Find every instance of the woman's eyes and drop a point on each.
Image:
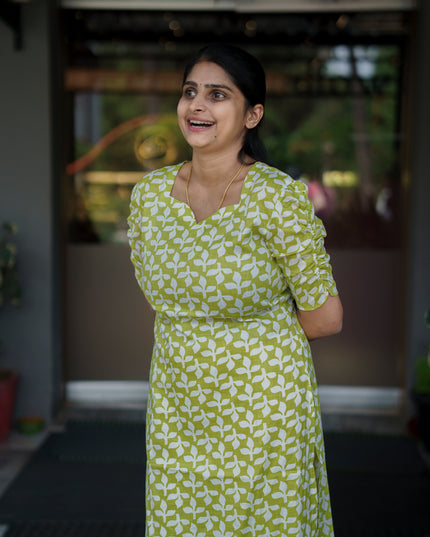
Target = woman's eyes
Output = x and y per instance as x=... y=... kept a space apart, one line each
x=189 y=92
x=218 y=95
x=215 y=95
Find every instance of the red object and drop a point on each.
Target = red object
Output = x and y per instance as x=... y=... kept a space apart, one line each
x=8 y=383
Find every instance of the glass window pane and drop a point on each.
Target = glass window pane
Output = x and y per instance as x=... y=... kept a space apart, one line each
x=332 y=120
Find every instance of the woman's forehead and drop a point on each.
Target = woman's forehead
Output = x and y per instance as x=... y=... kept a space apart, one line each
x=210 y=73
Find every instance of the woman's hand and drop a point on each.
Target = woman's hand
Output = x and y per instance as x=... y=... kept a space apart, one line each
x=324 y=321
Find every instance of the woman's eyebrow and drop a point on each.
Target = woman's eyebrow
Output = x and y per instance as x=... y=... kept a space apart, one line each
x=217 y=86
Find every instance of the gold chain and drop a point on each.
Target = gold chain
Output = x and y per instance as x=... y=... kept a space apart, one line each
x=225 y=191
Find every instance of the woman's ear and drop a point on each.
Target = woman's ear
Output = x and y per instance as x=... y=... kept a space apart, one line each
x=254 y=115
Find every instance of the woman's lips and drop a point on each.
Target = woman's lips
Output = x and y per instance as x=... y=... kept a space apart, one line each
x=198 y=125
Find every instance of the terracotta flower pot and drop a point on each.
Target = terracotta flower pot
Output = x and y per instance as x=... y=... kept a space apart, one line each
x=8 y=384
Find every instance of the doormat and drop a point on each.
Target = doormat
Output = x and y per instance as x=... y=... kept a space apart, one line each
x=90 y=472
x=130 y=529
x=379 y=486
x=101 y=441
x=75 y=529
x=90 y=480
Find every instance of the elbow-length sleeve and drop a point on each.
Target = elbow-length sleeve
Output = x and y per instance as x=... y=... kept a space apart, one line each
x=296 y=240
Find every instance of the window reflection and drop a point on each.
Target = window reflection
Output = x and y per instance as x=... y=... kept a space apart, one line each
x=331 y=121
x=105 y=173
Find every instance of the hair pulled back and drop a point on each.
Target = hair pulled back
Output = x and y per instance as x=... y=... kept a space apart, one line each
x=248 y=75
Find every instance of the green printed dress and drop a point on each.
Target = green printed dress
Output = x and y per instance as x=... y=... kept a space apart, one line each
x=234 y=439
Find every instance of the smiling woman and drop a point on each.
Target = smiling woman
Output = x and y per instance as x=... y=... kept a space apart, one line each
x=215 y=118
x=216 y=108
x=231 y=258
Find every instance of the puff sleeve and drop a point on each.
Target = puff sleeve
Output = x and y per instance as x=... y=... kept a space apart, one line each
x=296 y=240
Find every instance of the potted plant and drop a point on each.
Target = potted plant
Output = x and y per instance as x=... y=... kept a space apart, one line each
x=421 y=393
x=10 y=293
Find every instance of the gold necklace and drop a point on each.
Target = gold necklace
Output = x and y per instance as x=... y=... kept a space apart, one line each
x=225 y=191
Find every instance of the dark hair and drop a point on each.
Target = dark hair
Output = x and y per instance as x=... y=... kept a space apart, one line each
x=248 y=75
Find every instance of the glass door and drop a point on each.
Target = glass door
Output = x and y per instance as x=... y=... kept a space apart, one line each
x=333 y=120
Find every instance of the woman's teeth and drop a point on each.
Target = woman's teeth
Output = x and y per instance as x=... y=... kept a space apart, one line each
x=201 y=123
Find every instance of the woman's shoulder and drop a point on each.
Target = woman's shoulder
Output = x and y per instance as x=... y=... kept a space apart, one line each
x=273 y=181
x=155 y=180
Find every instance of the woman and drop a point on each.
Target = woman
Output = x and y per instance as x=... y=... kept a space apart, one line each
x=229 y=254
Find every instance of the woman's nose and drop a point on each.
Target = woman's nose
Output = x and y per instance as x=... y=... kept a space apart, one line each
x=198 y=103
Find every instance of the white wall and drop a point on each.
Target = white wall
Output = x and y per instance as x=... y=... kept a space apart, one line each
x=26 y=146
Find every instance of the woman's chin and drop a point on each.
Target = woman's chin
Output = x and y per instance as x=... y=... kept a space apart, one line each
x=200 y=142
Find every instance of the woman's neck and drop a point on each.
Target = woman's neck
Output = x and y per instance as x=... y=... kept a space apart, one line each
x=214 y=169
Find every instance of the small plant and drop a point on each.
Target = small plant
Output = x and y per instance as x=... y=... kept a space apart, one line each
x=10 y=293
x=422 y=367
x=10 y=287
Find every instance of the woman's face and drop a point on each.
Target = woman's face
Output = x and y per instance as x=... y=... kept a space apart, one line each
x=212 y=112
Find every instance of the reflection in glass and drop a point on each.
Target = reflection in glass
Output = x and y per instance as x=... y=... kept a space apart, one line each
x=331 y=121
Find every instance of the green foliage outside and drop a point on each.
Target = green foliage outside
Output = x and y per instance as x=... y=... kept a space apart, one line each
x=326 y=124
x=319 y=133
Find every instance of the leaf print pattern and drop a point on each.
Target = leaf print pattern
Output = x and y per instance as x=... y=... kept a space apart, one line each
x=234 y=439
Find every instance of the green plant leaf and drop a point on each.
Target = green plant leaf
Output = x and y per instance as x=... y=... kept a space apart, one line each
x=422 y=375
x=10 y=227
x=10 y=287
x=427 y=318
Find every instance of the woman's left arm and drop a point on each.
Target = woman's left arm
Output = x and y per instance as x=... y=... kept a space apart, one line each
x=297 y=244
x=323 y=321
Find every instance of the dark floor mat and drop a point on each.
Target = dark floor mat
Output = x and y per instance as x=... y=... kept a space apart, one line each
x=90 y=472
x=137 y=529
x=101 y=442
x=76 y=529
x=370 y=532
x=380 y=486
x=373 y=453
